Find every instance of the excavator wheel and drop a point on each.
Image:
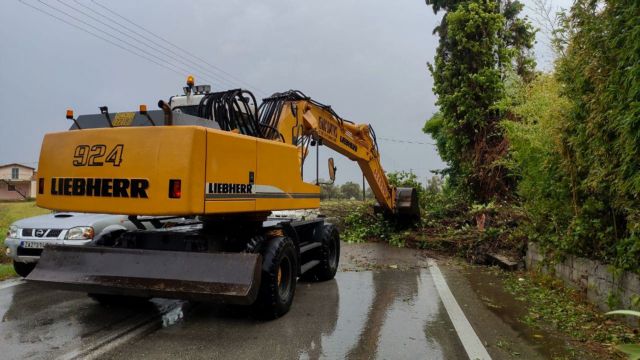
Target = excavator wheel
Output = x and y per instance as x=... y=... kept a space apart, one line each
x=279 y=275
x=329 y=256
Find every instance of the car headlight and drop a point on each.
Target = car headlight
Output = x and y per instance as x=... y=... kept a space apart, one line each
x=13 y=231
x=80 y=233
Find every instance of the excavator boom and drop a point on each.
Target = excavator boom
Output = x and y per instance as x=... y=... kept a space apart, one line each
x=299 y=120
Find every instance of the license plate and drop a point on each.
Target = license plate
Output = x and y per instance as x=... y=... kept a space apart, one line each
x=34 y=244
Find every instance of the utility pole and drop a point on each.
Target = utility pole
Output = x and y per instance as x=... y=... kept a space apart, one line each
x=363 y=192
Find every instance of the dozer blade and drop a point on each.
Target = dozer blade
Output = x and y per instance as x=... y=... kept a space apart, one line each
x=220 y=277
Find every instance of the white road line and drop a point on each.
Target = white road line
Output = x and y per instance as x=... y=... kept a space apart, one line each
x=10 y=283
x=472 y=344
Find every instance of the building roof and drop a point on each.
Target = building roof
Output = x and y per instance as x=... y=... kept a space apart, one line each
x=14 y=164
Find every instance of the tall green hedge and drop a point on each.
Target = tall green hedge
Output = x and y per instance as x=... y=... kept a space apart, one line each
x=576 y=147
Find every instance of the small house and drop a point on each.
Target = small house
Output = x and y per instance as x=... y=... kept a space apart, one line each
x=17 y=182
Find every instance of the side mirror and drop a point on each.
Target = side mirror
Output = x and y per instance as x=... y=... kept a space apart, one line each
x=332 y=170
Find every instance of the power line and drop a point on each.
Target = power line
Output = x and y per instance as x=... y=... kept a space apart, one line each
x=182 y=61
x=405 y=141
x=119 y=31
x=108 y=34
x=113 y=36
x=101 y=38
x=178 y=47
x=151 y=57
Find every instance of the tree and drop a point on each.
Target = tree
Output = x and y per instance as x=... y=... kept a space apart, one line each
x=481 y=44
x=369 y=195
x=328 y=191
x=434 y=184
x=351 y=190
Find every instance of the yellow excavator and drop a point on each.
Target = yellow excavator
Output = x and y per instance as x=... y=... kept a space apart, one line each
x=219 y=165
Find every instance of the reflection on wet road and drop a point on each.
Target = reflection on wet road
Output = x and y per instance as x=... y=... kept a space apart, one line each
x=39 y=323
x=373 y=314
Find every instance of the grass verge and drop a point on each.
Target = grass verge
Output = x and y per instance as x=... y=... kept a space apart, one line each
x=6 y=271
x=10 y=212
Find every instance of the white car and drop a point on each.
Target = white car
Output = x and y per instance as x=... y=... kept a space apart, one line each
x=27 y=238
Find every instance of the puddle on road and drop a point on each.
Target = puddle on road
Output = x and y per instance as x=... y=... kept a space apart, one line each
x=39 y=323
x=360 y=315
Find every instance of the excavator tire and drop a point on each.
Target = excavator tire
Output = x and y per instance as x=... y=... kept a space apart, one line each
x=329 y=256
x=279 y=276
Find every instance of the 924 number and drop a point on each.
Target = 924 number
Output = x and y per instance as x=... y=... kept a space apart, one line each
x=94 y=155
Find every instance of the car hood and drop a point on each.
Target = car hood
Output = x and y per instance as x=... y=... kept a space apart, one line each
x=65 y=220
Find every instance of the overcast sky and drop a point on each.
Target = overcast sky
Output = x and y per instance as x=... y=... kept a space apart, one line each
x=367 y=59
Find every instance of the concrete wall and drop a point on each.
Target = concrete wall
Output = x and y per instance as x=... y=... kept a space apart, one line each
x=600 y=283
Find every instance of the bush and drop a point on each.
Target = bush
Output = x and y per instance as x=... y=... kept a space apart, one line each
x=362 y=224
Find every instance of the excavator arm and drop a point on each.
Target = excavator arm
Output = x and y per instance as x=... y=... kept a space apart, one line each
x=296 y=119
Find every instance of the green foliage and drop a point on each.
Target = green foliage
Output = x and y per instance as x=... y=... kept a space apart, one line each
x=601 y=77
x=407 y=179
x=575 y=138
x=438 y=200
x=351 y=190
x=536 y=159
x=329 y=191
x=362 y=224
x=633 y=350
x=480 y=43
x=404 y=179
x=6 y=271
x=398 y=240
x=12 y=211
x=550 y=303
x=348 y=190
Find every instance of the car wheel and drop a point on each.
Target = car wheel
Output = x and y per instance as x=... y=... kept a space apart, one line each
x=23 y=269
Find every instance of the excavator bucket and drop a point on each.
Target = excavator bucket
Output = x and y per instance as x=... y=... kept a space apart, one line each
x=221 y=277
x=407 y=206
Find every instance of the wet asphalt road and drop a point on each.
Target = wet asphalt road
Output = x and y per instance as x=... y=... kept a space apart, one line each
x=382 y=304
